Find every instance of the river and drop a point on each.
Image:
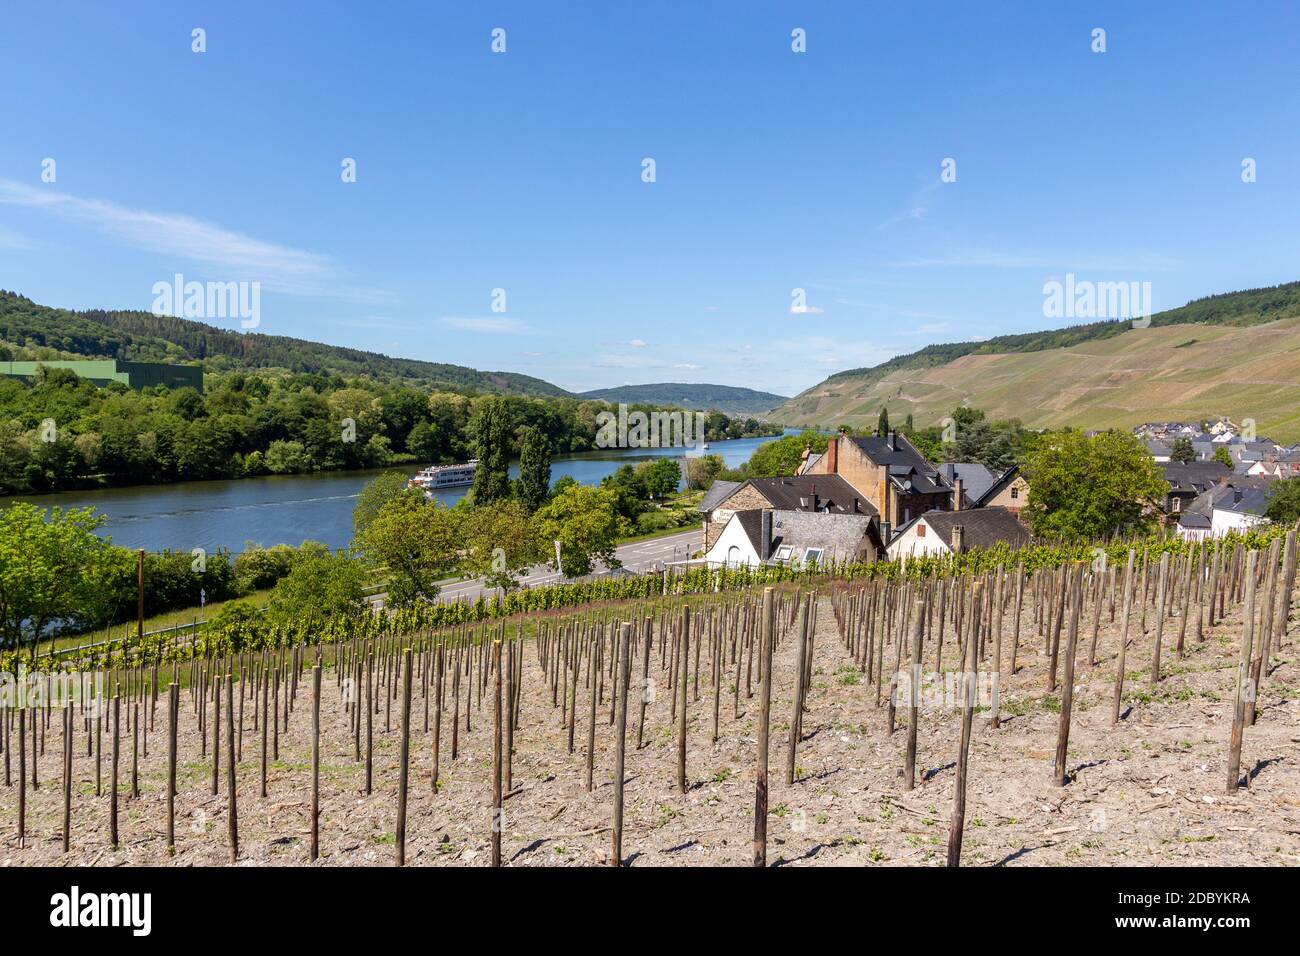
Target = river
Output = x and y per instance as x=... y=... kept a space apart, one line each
x=289 y=509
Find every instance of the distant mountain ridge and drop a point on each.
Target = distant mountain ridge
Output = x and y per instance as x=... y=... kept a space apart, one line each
x=146 y=337
x=729 y=399
x=1236 y=354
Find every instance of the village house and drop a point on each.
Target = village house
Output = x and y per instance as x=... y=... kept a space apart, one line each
x=1010 y=491
x=829 y=494
x=889 y=473
x=1223 y=508
x=799 y=538
x=940 y=533
x=1187 y=481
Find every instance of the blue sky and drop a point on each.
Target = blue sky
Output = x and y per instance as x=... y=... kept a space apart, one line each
x=522 y=171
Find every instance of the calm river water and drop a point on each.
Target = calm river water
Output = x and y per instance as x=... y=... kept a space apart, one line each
x=289 y=509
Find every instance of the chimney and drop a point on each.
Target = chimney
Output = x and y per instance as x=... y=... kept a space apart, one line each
x=956 y=493
x=958 y=538
x=833 y=456
x=893 y=440
x=814 y=497
x=765 y=534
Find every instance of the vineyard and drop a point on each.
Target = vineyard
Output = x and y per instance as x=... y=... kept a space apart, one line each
x=1133 y=704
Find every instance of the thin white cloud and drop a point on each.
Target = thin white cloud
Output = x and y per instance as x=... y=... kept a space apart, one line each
x=637 y=343
x=225 y=251
x=491 y=325
x=990 y=259
x=687 y=365
x=805 y=310
x=13 y=240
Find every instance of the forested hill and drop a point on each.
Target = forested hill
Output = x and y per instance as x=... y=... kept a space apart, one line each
x=28 y=330
x=1245 y=308
x=728 y=399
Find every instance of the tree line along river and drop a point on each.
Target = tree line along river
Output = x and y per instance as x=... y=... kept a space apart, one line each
x=288 y=509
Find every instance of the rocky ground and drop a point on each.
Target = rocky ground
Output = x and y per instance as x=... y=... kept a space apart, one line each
x=1149 y=791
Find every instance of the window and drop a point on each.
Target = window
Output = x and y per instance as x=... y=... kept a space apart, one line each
x=784 y=552
x=1178 y=504
x=920 y=531
x=1015 y=493
x=812 y=556
x=733 y=557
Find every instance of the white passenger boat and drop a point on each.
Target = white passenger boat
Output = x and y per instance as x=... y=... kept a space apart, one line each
x=445 y=476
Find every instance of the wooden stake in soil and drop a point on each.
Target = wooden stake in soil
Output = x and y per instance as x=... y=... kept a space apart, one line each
x=404 y=767
x=1244 y=685
x=112 y=810
x=496 y=754
x=969 y=682
x=620 y=742
x=67 y=776
x=1067 y=684
x=1123 y=638
x=22 y=776
x=315 y=762
x=173 y=714
x=764 y=717
x=232 y=812
x=914 y=694
x=682 y=679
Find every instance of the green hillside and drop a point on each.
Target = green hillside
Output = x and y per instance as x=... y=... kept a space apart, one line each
x=28 y=330
x=728 y=399
x=1235 y=354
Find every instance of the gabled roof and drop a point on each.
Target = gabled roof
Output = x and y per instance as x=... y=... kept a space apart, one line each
x=718 y=492
x=982 y=527
x=904 y=462
x=995 y=489
x=976 y=479
x=808 y=493
x=1195 y=476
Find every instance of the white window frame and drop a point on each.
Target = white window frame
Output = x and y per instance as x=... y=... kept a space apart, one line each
x=813 y=555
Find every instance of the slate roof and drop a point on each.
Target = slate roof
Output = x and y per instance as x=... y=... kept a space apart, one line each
x=999 y=483
x=976 y=479
x=905 y=463
x=810 y=493
x=982 y=527
x=718 y=492
x=839 y=534
x=1195 y=476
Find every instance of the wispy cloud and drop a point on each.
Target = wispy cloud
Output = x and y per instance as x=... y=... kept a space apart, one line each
x=991 y=259
x=491 y=325
x=13 y=240
x=637 y=343
x=232 y=254
x=917 y=209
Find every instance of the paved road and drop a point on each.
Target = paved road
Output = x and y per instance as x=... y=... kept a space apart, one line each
x=638 y=556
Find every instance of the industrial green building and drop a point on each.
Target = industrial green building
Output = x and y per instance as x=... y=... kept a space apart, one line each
x=103 y=371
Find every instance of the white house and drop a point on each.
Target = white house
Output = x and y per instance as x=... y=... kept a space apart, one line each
x=761 y=536
x=951 y=532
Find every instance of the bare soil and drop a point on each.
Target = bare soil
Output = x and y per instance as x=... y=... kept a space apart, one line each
x=1149 y=791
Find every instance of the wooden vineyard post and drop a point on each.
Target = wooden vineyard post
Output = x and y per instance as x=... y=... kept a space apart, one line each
x=265 y=715
x=1123 y=638
x=798 y=698
x=22 y=775
x=968 y=682
x=1244 y=685
x=1161 y=588
x=645 y=680
x=173 y=714
x=766 y=635
x=315 y=762
x=405 y=764
x=914 y=694
x=510 y=714
x=497 y=821
x=112 y=811
x=620 y=741
x=67 y=775
x=591 y=723
x=683 y=679
x=232 y=813
x=437 y=716
x=1076 y=597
